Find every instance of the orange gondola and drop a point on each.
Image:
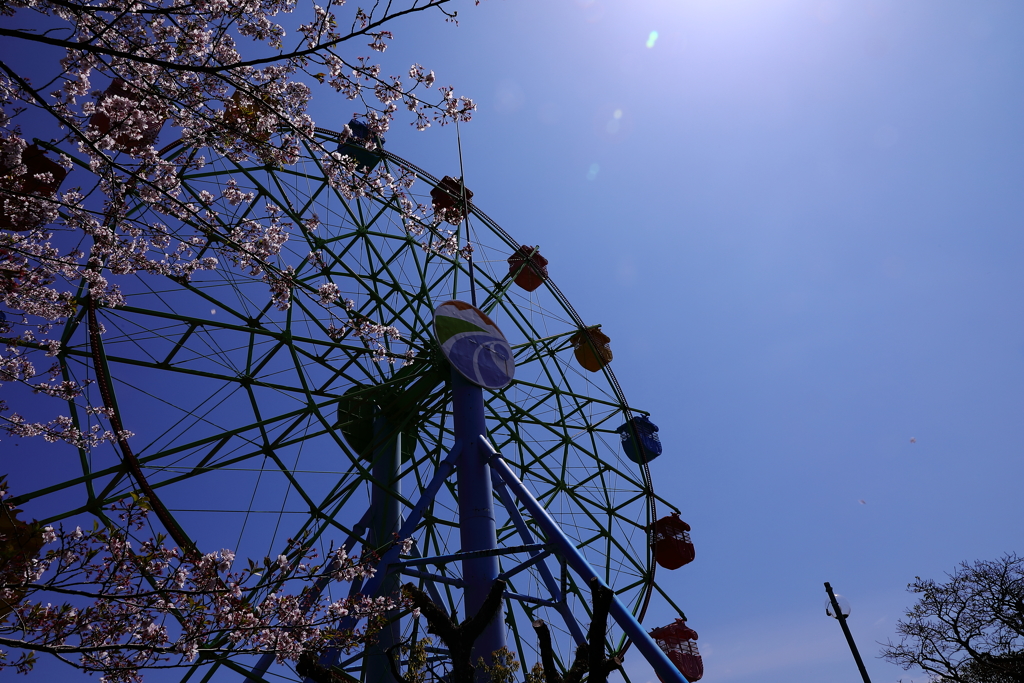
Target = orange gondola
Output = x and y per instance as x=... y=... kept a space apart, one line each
x=591 y=348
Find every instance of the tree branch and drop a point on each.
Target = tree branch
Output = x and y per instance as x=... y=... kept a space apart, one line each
x=212 y=70
x=459 y=639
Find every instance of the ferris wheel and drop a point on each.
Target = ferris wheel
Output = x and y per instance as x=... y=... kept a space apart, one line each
x=339 y=419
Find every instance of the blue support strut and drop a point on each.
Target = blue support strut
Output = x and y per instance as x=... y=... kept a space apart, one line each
x=373 y=586
x=664 y=667
x=477 y=527
x=386 y=521
x=545 y=573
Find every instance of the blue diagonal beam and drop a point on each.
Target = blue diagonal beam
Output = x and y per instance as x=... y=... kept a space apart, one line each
x=664 y=667
x=408 y=527
x=527 y=537
x=539 y=557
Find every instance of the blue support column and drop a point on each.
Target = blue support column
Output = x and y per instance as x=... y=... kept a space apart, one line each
x=373 y=585
x=476 y=510
x=384 y=524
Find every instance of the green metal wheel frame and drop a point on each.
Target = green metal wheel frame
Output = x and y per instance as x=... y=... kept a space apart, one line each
x=239 y=409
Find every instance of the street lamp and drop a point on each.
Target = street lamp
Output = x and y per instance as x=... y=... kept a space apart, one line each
x=839 y=607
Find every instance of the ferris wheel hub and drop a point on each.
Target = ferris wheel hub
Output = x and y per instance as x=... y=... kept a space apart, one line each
x=474 y=345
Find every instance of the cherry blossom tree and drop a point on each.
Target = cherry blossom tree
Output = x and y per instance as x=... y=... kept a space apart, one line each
x=110 y=600
x=218 y=74
x=123 y=80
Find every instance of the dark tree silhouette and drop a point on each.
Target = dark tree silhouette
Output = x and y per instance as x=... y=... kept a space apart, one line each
x=969 y=629
x=459 y=638
x=309 y=667
x=1007 y=668
x=590 y=657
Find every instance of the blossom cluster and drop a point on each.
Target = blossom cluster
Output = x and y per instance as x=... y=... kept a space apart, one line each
x=374 y=335
x=100 y=206
x=101 y=200
x=108 y=601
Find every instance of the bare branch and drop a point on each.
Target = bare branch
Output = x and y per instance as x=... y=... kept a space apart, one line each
x=968 y=629
x=221 y=68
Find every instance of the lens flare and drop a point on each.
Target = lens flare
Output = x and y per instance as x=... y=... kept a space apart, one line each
x=651 y=39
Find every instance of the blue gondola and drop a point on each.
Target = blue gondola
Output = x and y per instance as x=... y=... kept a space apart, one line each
x=355 y=146
x=647 y=431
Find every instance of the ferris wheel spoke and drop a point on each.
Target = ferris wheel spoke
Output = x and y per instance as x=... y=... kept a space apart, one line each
x=220 y=440
x=542 y=349
x=610 y=540
x=226 y=466
x=557 y=386
x=377 y=212
x=529 y=415
x=287 y=193
x=537 y=462
x=523 y=531
x=278 y=340
x=382 y=273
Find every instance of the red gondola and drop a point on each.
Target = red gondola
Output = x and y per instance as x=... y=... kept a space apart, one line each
x=529 y=268
x=122 y=141
x=42 y=178
x=671 y=542
x=22 y=543
x=447 y=200
x=678 y=641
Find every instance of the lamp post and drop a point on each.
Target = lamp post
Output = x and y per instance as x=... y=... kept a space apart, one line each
x=839 y=607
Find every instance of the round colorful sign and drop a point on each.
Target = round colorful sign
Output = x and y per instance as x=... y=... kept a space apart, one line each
x=474 y=345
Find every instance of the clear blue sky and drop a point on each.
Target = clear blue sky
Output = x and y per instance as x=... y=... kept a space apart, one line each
x=800 y=223
x=803 y=235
